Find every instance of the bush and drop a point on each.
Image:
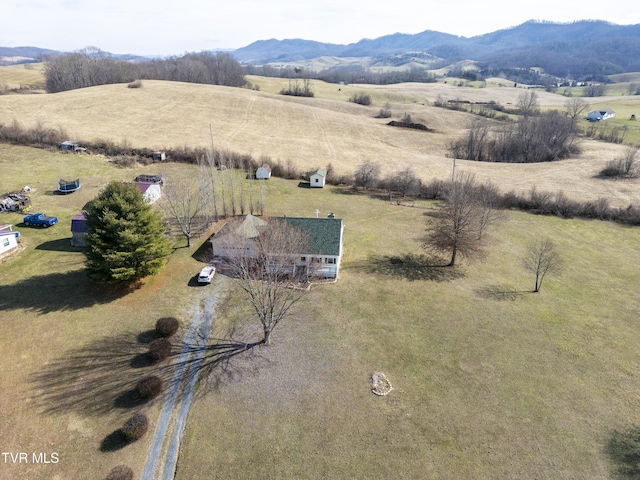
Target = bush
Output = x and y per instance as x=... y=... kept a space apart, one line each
x=135 y=84
x=135 y=427
x=361 y=98
x=160 y=349
x=149 y=387
x=167 y=326
x=121 y=472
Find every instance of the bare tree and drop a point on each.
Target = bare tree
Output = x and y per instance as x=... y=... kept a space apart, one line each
x=575 y=107
x=527 y=102
x=404 y=182
x=264 y=267
x=185 y=203
x=367 y=174
x=457 y=228
x=542 y=258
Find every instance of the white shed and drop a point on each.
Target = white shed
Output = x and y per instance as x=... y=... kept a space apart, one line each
x=317 y=178
x=150 y=191
x=263 y=172
x=8 y=239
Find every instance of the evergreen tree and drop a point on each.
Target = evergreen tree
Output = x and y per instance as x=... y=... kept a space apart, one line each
x=126 y=240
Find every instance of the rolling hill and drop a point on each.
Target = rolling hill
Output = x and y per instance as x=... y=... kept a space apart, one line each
x=314 y=132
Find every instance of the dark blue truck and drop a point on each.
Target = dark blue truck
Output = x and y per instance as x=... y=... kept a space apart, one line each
x=39 y=220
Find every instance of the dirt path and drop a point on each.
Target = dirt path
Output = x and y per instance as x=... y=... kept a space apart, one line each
x=163 y=453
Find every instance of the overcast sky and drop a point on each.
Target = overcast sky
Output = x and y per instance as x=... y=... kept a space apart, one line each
x=172 y=27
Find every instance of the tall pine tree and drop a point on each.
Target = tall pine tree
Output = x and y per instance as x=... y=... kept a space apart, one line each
x=126 y=239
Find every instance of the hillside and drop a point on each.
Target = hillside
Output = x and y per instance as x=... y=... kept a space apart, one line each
x=578 y=49
x=314 y=132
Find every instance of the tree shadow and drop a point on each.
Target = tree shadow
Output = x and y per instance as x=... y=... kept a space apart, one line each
x=411 y=267
x=57 y=292
x=100 y=377
x=623 y=449
x=500 y=292
x=94 y=378
x=60 y=245
x=113 y=442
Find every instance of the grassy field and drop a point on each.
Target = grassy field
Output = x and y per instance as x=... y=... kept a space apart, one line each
x=315 y=132
x=67 y=344
x=490 y=380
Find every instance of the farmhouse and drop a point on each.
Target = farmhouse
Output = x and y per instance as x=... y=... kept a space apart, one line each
x=263 y=172
x=150 y=191
x=317 y=178
x=79 y=230
x=324 y=251
x=597 y=115
x=8 y=239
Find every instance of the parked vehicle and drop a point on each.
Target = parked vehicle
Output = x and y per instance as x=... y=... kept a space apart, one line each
x=206 y=274
x=39 y=220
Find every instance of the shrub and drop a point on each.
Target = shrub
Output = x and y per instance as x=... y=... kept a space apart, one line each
x=167 y=326
x=121 y=472
x=135 y=84
x=135 y=427
x=149 y=387
x=361 y=98
x=160 y=349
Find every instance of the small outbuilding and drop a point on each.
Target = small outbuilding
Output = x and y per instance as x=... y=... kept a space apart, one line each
x=263 y=172
x=150 y=191
x=79 y=230
x=317 y=178
x=159 y=156
x=8 y=239
x=598 y=115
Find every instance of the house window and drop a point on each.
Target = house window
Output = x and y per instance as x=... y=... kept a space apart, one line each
x=303 y=259
x=317 y=180
x=330 y=260
x=5 y=242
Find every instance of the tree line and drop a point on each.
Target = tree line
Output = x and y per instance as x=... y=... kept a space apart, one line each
x=91 y=66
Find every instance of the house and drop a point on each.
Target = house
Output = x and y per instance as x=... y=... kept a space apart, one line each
x=326 y=244
x=79 y=230
x=324 y=252
x=235 y=240
x=317 y=178
x=263 y=172
x=150 y=191
x=597 y=115
x=8 y=239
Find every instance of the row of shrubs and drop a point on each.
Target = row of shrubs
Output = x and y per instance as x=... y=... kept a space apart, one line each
x=545 y=203
x=147 y=388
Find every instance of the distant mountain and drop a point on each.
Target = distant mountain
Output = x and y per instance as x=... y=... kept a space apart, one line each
x=12 y=55
x=579 y=48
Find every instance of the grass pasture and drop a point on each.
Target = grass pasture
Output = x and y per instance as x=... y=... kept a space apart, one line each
x=490 y=380
x=314 y=132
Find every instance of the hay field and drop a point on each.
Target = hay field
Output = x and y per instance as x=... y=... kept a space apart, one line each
x=13 y=76
x=314 y=132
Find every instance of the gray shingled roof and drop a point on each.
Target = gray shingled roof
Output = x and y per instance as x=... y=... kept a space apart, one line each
x=324 y=233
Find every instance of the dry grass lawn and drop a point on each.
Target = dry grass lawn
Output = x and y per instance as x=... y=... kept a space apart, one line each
x=490 y=381
x=315 y=132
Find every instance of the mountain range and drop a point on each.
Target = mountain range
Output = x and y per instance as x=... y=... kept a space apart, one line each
x=581 y=50
x=586 y=47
